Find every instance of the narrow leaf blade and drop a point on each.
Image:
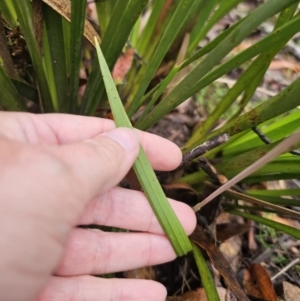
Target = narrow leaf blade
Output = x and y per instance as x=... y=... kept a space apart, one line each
x=144 y=172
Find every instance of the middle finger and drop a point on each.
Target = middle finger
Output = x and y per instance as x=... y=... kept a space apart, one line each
x=130 y=209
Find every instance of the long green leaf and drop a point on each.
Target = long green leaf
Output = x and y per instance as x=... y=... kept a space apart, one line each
x=270 y=177
x=10 y=99
x=194 y=81
x=248 y=141
x=7 y=9
x=233 y=165
x=275 y=225
x=273 y=192
x=55 y=33
x=24 y=13
x=48 y=67
x=247 y=82
x=123 y=18
x=284 y=17
x=206 y=277
x=283 y=102
x=181 y=13
x=199 y=31
x=104 y=11
x=144 y=172
x=276 y=200
x=148 y=32
x=26 y=90
x=160 y=88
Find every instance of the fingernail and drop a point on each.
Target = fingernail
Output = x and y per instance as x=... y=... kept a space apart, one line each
x=127 y=138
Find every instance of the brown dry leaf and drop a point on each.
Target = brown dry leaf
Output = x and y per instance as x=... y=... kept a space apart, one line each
x=228 y=230
x=199 y=295
x=182 y=192
x=122 y=66
x=63 y=7
x=263 y=281
x=249 y=285
x=201 y=238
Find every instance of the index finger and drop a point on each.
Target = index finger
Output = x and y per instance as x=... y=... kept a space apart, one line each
x=163 y=154
x=56 y=129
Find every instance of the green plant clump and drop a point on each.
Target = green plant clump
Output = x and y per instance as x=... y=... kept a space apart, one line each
x=43 y=48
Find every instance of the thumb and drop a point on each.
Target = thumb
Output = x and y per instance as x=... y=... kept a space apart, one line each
x=100 y=163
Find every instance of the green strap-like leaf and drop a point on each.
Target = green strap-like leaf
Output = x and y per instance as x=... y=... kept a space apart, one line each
x=273 y=192
x=24 y=13
x=275 y=225
x=287 y=124
x=10 y=99
x=206 y=277
x=247 y=83
x=55 y=33
x=202 y=75
x=123 y=18
x=203 y=26
x=144 y=172
x=283 y=102
x=181 y=13
x=148 y=32
x=7 y=9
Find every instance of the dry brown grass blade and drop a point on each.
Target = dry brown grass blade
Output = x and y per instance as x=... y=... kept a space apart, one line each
x=63 y=7
x=202 y=239
x=282 y=147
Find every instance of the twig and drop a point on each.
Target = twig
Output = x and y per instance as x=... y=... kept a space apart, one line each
x=211 y=171
x=204 y=148
x=282 y=271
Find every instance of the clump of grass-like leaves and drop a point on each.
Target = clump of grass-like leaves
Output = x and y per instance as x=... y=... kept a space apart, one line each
x=42 y=75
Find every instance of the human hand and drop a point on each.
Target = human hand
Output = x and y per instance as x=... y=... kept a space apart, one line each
x=60 y=171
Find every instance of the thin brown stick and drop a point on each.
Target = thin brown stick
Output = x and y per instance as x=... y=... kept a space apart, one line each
x=211 y=171
x=204 y=148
